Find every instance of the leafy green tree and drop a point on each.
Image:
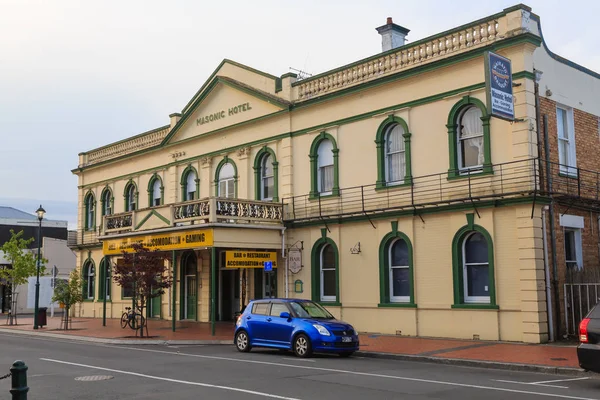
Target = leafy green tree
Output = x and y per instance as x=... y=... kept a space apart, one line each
x=69 y=293
x=23 y=265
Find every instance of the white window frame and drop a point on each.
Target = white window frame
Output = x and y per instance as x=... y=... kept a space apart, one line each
x=190 y=194
x=388 y=154
x=321 y=168
x=322 y=281
x=264 y=178
x=570 y=167
x=156 y=193
x=574 y=223
x=90 y=213
x=466 y=297
x=459 y=162
x=396 y=299
x=226 y=183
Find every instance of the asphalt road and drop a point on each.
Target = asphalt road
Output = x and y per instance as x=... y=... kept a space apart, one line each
x=61 y=369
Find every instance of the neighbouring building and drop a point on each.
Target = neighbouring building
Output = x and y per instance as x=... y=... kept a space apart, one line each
x=383 y=189
x=54 y=249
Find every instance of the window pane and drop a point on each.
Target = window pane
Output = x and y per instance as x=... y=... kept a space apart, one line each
x=476 y=249
x=570 y=249
x=561 y=123
x=267 y=166
x=471 y=151
x=394 y=140
x=470 y=138
x=325 y=153
x=260 y=308
x=478 y=280
x=267 y=188
x=328 y=282
x=328 y=257
x=470 y=123
x=400 y=283
x=399 y=253
x=226 y=171
x=156 y=192
x=231 y=188
x=326 y=179
x=563 y=152
x=396 y=167
x=278 y=308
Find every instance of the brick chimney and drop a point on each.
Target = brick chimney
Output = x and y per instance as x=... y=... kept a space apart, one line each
x=392 y=35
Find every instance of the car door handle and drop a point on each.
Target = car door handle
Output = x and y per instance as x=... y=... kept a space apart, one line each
x=269 y=319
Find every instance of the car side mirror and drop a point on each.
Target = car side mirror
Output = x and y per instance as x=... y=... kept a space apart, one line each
x=285 y=315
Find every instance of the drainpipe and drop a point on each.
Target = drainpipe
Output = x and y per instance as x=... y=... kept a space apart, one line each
x=285 y=257
x=548 y=278
x=552 y=231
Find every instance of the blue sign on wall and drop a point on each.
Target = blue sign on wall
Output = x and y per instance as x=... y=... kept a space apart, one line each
x=498 y=79
x=268 y=266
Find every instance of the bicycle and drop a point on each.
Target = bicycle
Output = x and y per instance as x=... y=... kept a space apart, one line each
x=135 y=320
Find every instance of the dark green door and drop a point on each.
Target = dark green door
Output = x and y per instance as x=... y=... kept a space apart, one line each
x=156 y=307
x=190 y=297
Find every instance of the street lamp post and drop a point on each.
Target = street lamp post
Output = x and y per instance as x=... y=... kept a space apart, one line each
x=40 y=214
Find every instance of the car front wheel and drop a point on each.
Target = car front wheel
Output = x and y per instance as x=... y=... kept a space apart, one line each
x=242 y=342
x=302 y=346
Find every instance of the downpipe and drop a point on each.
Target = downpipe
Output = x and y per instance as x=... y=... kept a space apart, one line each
x=547 y=276
x=285 y=257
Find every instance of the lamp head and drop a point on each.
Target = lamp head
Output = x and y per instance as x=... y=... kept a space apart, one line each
x=40 y=213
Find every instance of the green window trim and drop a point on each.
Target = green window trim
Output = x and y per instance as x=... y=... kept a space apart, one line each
x=475 y=306
x=384 y=270
x=189 y=169
x=452 y=125
x=102 y=279
x=316 y=272
x=126 y=195
x=226 y=160
x=111 y=201
x=85 y=269
x=314 y=166
x=380 y=143
x=397 y=305
x=329 y=303
x=258 y=173
x=457 y=266
x=151 y=190
x=90 y=201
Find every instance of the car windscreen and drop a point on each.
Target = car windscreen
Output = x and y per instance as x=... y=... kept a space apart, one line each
x=307 y=309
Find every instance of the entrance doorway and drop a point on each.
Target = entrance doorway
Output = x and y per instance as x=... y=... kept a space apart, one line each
x=229 y=292
x=189 y=288
x=265 y=284
x=154 y=307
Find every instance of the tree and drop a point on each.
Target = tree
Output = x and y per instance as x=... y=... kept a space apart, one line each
x=144 y=271
x=69 y=293
x=23 y=265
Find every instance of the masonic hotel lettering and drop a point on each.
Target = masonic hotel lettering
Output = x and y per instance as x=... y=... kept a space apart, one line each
x=221 y=114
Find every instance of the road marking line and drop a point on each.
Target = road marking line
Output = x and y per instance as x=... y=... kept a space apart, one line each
x=296 y=359
x=341 y=371
x=531 y=383
x=274 y=396
x=562 y=380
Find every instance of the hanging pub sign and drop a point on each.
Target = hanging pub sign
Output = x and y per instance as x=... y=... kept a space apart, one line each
x=498 y=83
x=295 y=260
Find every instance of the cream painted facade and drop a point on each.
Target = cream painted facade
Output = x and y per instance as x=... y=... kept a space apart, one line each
x=338 y=206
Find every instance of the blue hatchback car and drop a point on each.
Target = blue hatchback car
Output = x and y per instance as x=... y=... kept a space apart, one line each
x=292 y=324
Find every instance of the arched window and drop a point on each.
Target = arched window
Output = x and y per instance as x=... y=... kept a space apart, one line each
x=190 y=186
x=226 y=182
x=325 y=271
x=473 y=267
x=395 y=157
x=90 y=212
x=130 y=197
x=476 y=269
x=89 y=274
x=470 y=139
x=155 y=191
x=325 y=171
x=107 y=202
x=328 y=273
x=396 y=269
x=267 y=178
x=105 y=279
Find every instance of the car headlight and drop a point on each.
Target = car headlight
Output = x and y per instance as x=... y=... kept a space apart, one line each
x=354 y=332
x=322 y=330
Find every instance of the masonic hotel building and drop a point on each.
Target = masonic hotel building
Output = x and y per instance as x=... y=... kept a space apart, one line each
x=382 y=189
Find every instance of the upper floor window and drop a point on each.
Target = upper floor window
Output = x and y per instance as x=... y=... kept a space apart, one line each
x=325 y=171
x=470 y=139
x=566 y=140
x=155 y=190
x=190 y=186
x=226 y=182
x=130 y=197
x=106 y=201
x=267 y=178
x=395 y=157
x=90 y=212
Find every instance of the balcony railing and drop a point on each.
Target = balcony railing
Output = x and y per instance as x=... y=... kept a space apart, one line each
x=202 y=211
x=513 y=179
x=574 y=182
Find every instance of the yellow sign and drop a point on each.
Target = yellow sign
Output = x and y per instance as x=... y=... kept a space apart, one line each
x=249 y=259
x=165 y=241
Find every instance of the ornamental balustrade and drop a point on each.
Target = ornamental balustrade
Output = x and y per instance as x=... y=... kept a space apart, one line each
x=118 y=222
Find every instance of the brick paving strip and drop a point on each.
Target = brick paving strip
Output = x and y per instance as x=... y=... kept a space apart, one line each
x=546 y=358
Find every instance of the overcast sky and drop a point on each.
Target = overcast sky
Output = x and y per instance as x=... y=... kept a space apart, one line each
x=76 y=75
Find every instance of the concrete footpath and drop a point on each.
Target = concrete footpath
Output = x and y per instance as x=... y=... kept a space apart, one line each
x=546 y=358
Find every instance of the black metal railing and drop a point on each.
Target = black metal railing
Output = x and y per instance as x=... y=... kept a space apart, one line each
x=517 y=178
x=574 y=181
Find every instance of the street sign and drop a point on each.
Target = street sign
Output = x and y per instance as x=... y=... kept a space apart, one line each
x=268 y=266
